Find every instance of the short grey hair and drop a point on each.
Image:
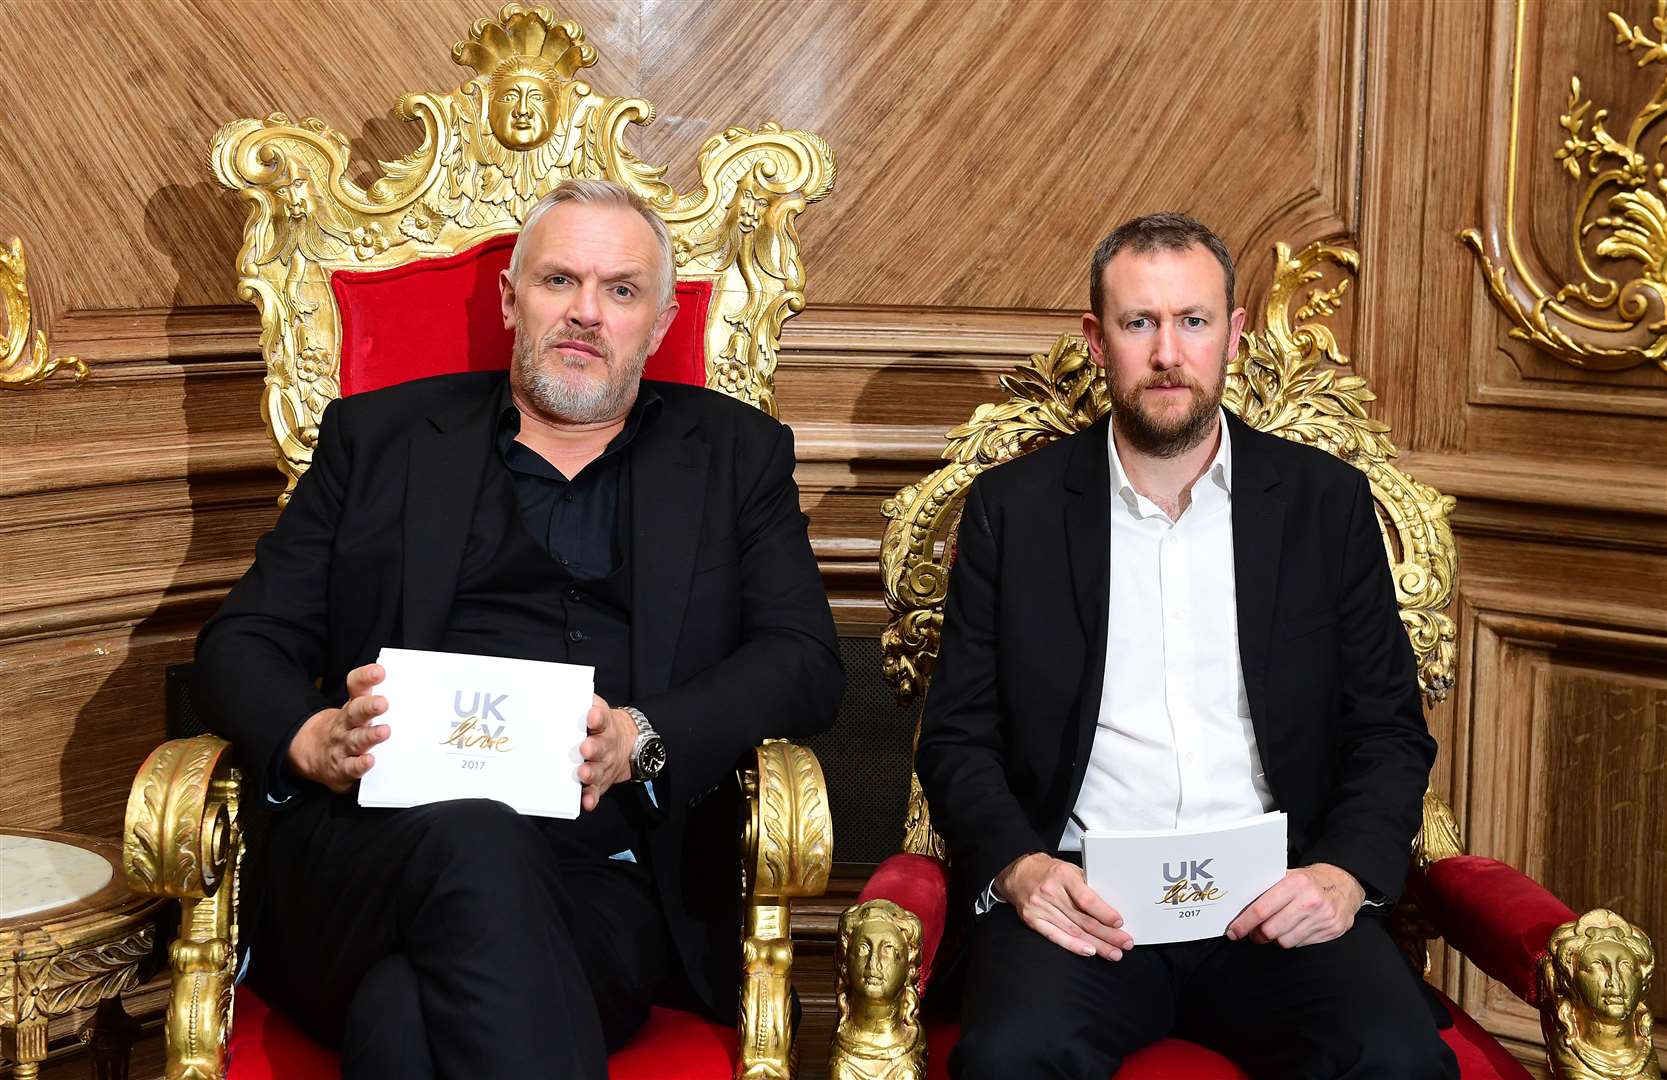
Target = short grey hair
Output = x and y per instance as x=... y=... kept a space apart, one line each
x=602 y=193
x=1156 y=232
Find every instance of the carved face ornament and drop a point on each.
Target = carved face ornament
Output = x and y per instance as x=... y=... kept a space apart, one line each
x=1606 y=974
x=880 y=961
x=519 y=110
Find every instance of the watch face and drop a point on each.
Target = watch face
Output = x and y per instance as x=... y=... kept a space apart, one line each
x=653 y=757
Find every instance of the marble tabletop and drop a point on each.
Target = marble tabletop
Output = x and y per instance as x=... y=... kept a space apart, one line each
x=37 y=874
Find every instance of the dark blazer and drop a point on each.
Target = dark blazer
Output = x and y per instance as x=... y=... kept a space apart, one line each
x=1331 y=678
x=731 y=636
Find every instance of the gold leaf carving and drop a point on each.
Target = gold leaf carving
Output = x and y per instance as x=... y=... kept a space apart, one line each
x=1611 y=314
x=25 y=360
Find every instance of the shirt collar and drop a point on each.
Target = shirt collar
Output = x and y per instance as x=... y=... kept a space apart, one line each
x=643 y=410
x=1219 y=472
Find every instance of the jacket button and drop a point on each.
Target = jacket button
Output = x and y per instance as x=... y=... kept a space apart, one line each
x=575 y=636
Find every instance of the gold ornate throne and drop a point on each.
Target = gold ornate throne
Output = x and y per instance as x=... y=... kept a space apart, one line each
x=337 y=271
x=1289 y=378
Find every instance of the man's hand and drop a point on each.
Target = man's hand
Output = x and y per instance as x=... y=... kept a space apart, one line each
x=611 y=733
x=1053 y=899
x=1309 y=905
x=333 y=746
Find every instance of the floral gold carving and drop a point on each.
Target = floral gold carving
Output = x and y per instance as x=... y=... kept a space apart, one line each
x=521 y=124
x=877 y=982
x=1594 y=981
x=1611 y=314
x=25 y=360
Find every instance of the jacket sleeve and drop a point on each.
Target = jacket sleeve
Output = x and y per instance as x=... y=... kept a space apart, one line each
x=785 y=678
x=260 y=656
x=1383 y=746
x=962 y=742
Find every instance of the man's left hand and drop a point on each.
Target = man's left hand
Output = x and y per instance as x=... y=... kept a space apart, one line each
x=610 y=735
x=1310 y=904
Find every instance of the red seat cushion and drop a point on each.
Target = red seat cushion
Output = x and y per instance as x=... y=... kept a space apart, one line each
x=1480 y=1056
x=441 y=316
x=673 y=1045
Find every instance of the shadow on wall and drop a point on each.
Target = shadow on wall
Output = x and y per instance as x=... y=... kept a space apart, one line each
x=224 y=498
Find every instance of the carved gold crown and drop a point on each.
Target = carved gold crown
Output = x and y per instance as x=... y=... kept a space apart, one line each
x=525 y=38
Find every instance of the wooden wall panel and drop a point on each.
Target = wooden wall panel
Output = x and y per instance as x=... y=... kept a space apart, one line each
x=982 y=148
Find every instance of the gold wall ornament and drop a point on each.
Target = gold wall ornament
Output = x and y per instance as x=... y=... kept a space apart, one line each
x=25 y=360
x=490 y=149
x=1610 y=315
x=1594 y=980
x=877 y=982
x=182 y=838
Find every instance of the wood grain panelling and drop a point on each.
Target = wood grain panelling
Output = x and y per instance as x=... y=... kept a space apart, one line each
x=982 y=148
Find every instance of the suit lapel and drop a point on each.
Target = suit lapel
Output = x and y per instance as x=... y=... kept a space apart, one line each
x=668 y=495
x=1258 y=532
x=448 y=453
x=1088 y=542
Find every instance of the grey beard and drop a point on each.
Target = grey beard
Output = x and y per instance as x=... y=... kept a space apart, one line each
x=588 y=402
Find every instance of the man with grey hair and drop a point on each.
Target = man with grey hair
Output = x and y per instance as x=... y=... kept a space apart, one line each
x=1169 y=622
x=571 y=512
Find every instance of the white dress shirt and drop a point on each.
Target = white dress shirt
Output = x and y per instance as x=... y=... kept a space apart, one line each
x=1174 y=747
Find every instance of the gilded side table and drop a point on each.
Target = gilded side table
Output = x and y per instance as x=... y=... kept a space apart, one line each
x=72 y=937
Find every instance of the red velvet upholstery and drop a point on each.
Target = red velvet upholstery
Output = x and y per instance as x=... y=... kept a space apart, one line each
x=673 y=1045
x=439 y=316
x=1499 y=917
x=919 y=885
x=1480 y=1057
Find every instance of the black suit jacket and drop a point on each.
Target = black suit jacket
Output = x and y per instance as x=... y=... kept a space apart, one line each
x=1330 y=675
x=731 y=637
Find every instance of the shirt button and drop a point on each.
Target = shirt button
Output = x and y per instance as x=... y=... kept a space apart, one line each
x=567 y=498
x=563 y=559
x=573 y=594
x=575 y=636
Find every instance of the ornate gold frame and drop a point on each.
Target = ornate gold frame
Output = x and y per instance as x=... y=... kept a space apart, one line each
x=1594 y=320
x=182 y=839
x=477 y=172
x=25 y=360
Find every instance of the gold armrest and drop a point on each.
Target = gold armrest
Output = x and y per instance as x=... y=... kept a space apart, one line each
x=786 y=851
x=181 y=839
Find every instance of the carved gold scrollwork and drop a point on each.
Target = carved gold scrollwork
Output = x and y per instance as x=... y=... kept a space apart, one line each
x=1613 y=314
x=182 y=839
x=25 y=360
x=786 y=851
x=490 y=149
x=1288 y=379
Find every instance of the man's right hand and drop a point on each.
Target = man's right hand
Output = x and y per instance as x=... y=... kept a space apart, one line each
x=333 y=746
x=1053 y=898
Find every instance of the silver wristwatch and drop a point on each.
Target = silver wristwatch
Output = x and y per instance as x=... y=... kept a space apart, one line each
x=648 y=753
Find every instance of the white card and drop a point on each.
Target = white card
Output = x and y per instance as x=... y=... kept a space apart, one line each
x=479 y=727
x=1185 y=884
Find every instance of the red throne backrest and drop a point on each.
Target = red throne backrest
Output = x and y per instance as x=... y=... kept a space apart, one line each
x=441 y=316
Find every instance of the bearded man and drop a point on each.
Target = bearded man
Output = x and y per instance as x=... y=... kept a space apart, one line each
x=1171 y=620
x=567 y=512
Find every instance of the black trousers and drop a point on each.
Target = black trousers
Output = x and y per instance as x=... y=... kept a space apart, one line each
x=1349 y=1008
x=458 y=939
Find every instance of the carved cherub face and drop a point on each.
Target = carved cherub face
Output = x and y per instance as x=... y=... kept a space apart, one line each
x=1606 y=974
x=520 y=107
x=880 y=961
